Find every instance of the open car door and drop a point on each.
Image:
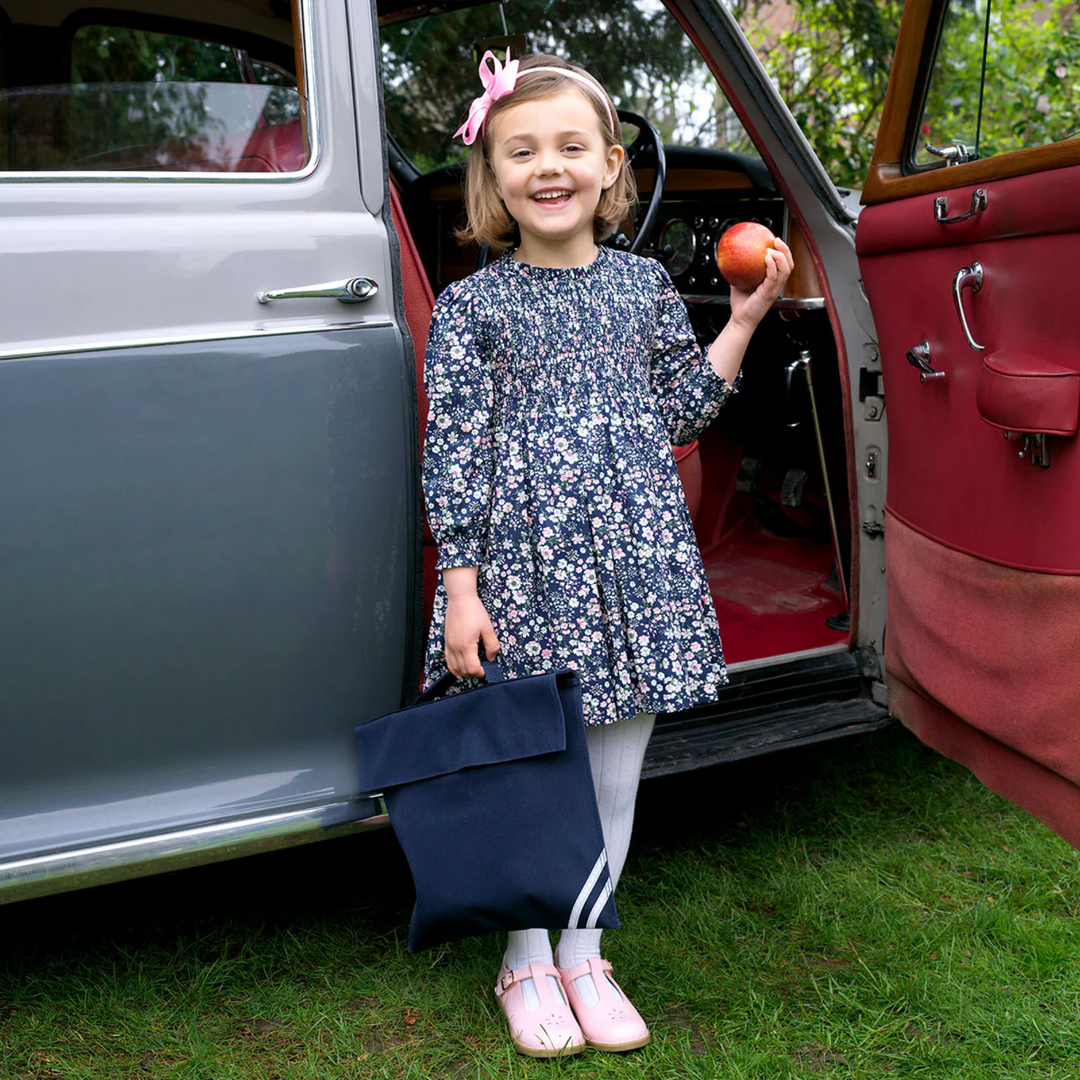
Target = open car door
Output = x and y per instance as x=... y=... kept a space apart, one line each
x=966 y=253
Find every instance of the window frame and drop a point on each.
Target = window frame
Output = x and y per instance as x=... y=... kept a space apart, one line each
x=935 y=30
x=134 y=20
x=890 y=176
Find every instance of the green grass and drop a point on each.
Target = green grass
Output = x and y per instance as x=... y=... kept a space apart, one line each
x=861 y=909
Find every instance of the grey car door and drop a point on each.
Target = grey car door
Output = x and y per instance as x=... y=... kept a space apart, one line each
x=207 y=497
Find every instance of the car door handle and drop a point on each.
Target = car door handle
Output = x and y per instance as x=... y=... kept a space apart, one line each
x=352 y=291
x=967 y=277
x=941 y=208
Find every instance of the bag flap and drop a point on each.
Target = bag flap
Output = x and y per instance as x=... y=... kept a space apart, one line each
x=503 y=721
x=1029 y=395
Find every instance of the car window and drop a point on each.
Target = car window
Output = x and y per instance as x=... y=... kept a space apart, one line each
x=635 y=47
x=146 y=100
x=1005 y=76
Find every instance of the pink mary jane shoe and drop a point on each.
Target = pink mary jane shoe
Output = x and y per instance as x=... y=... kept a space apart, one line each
x=612 y=1024
x=547 y=1031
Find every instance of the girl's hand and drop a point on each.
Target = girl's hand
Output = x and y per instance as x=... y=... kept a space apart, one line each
x=467 y=625
x=748 y=308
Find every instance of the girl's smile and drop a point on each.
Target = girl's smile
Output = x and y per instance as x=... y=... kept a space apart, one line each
x=551 y=164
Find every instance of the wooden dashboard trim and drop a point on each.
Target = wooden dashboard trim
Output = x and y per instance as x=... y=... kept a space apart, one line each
x=695 y=180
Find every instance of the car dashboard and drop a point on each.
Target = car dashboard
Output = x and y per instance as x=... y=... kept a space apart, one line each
x=705 y=193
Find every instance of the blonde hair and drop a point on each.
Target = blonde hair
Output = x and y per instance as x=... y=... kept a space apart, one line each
x=487 y=219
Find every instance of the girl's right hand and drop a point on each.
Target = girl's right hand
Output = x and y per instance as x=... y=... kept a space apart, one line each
x=467 y=625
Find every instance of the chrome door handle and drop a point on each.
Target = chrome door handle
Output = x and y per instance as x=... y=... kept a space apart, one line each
x=968 y=277
x=941 y=208
x=353 y=291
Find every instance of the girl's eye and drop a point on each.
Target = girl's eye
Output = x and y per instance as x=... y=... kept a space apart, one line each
x=573 y=148
x=522 y=153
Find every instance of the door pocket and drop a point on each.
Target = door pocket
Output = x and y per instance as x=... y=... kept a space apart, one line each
x=1022 y=393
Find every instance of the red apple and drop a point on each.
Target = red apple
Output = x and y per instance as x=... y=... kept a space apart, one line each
x=740 y=254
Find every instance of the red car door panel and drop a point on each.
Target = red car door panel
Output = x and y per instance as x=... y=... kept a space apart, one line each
x=982 y=559
x=952 y=476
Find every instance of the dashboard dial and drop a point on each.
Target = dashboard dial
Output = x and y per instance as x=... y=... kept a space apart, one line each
x=680 y=235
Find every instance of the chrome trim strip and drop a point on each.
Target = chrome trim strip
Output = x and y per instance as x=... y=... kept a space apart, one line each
x=314 y=131
x=194 y=339
x=23 y=879
x=784 y=303
x=783 y=658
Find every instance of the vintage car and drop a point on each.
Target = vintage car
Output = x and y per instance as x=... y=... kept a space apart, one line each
x=224 y=222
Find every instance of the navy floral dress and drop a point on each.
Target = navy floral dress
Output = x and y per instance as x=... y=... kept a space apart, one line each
x=554 y=395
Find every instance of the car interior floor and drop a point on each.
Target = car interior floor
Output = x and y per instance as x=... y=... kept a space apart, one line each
x=755 y=488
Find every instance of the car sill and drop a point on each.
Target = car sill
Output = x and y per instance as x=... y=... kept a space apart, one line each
x=783 y=658
x=41 y=875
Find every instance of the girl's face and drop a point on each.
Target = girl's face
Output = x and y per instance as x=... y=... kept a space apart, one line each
x=551 y=164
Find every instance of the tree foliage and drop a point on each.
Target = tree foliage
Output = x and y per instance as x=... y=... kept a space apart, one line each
x=1031 y=94
x=830 y=60
x=634 y=47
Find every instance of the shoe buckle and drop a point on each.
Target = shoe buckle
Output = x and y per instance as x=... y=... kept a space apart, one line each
x=507 y=981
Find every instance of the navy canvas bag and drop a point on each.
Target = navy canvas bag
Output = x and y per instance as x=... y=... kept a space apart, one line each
x=491 y=796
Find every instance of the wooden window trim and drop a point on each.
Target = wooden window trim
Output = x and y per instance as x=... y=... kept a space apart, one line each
x=887 y=179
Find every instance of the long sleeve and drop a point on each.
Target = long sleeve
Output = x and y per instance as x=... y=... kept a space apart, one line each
x=458 y=445
x=687 y=391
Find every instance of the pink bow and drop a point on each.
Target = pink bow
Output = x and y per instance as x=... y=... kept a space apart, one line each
x=497 y=84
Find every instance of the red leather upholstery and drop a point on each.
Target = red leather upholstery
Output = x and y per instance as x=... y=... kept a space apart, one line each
x=419 y=301
x=271 y=149
x=1024 y=393
x=281 y=147
x=951 y=475
x=688 y=461
x=1043 y=204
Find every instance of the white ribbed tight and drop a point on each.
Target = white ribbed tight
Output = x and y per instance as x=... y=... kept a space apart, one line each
x=616 y=752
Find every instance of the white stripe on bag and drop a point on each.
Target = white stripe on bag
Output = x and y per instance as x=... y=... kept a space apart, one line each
x=587 y=888
x=599 y=905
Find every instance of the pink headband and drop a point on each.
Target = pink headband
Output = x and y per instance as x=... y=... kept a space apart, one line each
x=501 y=81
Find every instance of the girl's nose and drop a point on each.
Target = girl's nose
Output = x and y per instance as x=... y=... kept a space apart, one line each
x=548 y=163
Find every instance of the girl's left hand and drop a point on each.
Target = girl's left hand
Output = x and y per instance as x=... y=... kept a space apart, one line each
x=749 y=308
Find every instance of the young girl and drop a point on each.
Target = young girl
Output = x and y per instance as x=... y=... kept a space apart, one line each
x=557 y=379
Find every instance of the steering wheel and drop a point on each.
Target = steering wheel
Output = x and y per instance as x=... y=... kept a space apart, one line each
x=648 y=143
